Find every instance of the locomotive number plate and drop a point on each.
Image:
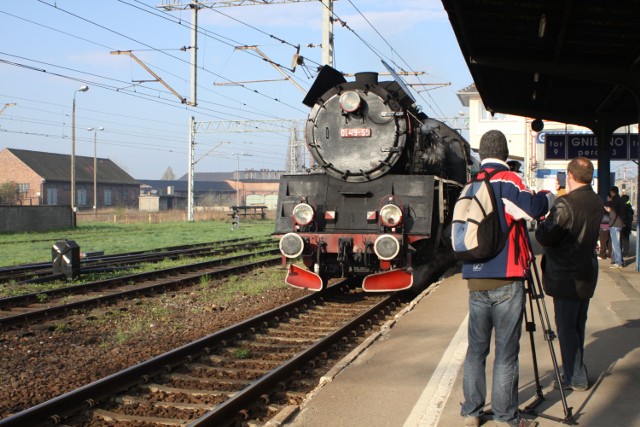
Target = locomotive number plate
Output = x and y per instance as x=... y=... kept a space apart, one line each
x=355 y=133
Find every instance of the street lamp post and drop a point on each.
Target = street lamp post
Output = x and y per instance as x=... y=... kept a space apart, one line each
x=95 y=166
x=73 y=147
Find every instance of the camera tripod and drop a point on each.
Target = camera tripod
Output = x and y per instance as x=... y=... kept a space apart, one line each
x=535 y=293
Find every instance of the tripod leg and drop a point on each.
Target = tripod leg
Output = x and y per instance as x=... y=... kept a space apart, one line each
x=549 y=336
x=530 y=326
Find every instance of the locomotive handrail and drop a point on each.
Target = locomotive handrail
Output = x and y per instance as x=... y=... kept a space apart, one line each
x=449 y=181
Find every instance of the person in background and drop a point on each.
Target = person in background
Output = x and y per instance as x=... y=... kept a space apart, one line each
x=514 y=166
x=561 y=183
x=569 y=266
x=616 y=223
x=497 y=295
x=235 y=219
x=604 y=250
x=626 y=229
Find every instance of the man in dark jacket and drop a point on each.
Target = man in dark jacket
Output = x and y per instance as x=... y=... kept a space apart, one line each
x=569 y=266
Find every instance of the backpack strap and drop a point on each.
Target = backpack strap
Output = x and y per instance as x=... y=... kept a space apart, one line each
x=487 y=177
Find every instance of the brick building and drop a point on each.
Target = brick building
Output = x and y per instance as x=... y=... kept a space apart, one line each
x=45 y=179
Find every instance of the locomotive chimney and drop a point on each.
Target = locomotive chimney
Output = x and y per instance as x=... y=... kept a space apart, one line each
x=368 y=77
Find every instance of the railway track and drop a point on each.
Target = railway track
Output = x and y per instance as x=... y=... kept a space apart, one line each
x=28 y=308
x=245 y=372
x=43 y=272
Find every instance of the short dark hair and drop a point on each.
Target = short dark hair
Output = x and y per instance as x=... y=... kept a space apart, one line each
x=614 y=189
x=582 y=170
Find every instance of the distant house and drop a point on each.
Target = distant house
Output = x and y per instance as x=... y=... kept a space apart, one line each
x=258 y=187
x=161 y=195
x=255 y=187
x=45 y=179
x=209 y=176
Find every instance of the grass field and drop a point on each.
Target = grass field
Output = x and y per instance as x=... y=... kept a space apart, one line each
x=22 y=248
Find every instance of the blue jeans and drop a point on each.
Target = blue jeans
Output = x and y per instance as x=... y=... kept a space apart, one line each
x=500 y=310
x=616 y=256
x=571 y=321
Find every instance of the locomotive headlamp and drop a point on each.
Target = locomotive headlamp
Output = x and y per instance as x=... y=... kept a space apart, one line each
x=303 y=214
x=349 y=101
x=390 y=215
x=291 y=245
x=386 y=247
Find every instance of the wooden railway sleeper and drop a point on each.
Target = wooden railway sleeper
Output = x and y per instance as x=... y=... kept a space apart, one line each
x=114 y=417
x=135 y=400
x=158 y=388
x=225 y=370
x=249 y=344
x=222 y=359
x=226 y=381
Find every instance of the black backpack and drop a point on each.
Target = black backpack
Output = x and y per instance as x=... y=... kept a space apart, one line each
x=476 y=231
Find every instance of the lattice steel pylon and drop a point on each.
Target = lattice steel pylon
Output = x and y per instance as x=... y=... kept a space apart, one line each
x=295 y=152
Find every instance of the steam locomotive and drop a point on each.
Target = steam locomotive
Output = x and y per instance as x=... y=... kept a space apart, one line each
x=380 y=195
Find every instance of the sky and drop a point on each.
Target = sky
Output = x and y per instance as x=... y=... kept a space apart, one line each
x=53 y=47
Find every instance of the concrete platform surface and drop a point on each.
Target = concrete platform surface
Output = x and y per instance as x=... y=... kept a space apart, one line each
x=410 y=374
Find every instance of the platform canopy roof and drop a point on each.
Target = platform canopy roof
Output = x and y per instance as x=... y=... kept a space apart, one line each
x=572 y=61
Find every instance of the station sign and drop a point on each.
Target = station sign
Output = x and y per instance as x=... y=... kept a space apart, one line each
x=565 y=146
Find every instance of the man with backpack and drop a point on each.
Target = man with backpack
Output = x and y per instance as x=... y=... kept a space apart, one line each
x=496 y=288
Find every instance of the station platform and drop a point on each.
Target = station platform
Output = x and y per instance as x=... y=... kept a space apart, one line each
x=410 y=373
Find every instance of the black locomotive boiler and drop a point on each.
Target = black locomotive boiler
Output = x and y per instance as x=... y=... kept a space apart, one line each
x=380 y=195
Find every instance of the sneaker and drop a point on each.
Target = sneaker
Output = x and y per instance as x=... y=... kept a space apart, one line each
x=565 y=386
x=470 y=421
x=616 y=267
x=583 y=387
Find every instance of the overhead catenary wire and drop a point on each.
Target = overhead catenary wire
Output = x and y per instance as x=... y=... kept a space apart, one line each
x=173 y=19
x=100 y=44
x=114 y=87
x=221 y=38
x=169 y=101
x=113 y=129
x=144 y=91
x=381 y=55
x=161 y=51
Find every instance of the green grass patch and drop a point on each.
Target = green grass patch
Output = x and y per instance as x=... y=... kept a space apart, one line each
x=9 y=289
x=242 y=353
x=24 y=248
x=221 y=291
